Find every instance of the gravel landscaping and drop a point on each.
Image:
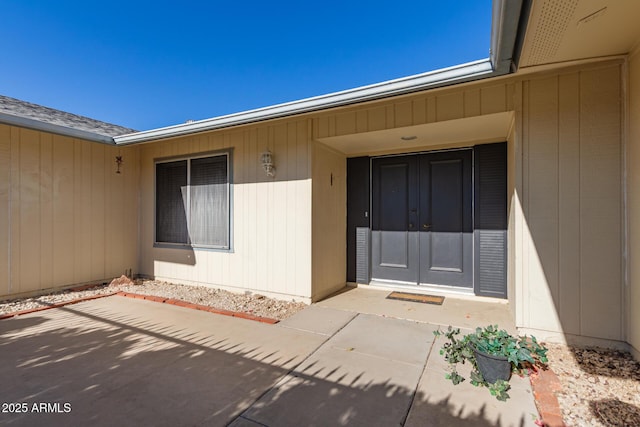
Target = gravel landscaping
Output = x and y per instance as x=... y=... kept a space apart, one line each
x=251 y=303
x=600 y=387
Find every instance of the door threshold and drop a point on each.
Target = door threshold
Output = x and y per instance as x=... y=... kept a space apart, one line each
x=417 y=289
x=448 y=291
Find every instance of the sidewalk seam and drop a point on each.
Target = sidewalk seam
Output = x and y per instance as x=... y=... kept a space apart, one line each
x=289 y=375
x=415 y=391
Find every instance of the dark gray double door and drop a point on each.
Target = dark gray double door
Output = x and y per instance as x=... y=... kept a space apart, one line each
x=422 y=224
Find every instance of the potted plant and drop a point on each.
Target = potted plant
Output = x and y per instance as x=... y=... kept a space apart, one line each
x=493 y=354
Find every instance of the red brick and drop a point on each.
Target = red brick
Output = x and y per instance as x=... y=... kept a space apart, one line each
x=190 y=305
x=549 y=381
x=154 y=298
x=220 y=311
x=180 y=303
x=201 y=307
x=193 y=306
x=553 y=420
x=256 y=318
x=547 y=402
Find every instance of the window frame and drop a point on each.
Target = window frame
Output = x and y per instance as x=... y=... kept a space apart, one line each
x=228 y=153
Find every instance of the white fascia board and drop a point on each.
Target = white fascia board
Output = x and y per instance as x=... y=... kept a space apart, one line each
x=443 y=77
x=34 y=124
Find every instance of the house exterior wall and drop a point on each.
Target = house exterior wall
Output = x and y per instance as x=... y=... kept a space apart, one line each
x=568 y=202
x=633 y=203
x=565 y=181
x=66 y=217
x=329 y=221
x=270 y=217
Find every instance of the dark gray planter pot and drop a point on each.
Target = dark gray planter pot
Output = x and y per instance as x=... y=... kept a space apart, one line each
x=492 y=368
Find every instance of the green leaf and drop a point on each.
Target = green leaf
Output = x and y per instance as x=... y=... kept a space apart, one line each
x=476 y=377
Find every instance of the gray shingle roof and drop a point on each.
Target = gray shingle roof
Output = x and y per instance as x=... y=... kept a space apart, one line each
x=38 y=113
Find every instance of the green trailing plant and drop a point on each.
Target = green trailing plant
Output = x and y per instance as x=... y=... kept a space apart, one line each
x=523 y=353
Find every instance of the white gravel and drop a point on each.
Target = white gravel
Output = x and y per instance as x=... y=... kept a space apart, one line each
x=252 y=303
x=600 y=387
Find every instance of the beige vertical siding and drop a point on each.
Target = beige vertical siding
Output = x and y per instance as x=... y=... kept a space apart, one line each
x=66 y=217
x=271 y=217
x=437 y=106
x=633 y=203
x=5 y=209
x=329 y=221
x=569 y=277
x=513 y=206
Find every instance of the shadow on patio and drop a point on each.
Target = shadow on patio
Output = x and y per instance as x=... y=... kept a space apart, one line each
x=128 y=362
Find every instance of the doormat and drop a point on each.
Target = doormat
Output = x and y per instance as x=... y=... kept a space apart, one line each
x=425 y=299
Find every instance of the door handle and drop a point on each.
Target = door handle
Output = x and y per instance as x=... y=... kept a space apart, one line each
x=426 y=226
x=410 y=225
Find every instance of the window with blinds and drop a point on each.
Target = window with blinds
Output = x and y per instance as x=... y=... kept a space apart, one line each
x=192 y=202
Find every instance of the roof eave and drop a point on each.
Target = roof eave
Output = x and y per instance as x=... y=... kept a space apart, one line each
x=438 y=78
x=28 y=123
x=508 y=26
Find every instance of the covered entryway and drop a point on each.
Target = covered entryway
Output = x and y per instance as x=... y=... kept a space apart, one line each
x=431 y=219
x=422 y=219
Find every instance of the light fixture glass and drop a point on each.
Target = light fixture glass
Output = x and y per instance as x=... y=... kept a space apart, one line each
x=266 y=159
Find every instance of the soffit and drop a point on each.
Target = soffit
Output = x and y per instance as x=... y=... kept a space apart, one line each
x=567 y=30
x=467 y=131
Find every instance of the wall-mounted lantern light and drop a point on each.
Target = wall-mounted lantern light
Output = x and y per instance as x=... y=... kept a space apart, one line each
x=118 y=163
x=266 y=159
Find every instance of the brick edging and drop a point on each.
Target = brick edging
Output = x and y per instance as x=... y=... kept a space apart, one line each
x=206 y=308
x=170 y=301
x=57 y=305
x=545 y=384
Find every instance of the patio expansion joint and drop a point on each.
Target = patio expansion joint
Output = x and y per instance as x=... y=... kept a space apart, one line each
x=291 y=374
x=415 y=391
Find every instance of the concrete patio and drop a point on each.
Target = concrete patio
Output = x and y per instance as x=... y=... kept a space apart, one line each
x=120 y=361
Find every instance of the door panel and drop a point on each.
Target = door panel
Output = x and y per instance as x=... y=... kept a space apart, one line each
x=446 y=239
x=422 y=219
x=394 y=249
x=394 y=242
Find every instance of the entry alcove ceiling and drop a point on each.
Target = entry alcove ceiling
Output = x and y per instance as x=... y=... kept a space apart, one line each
x=450 y=133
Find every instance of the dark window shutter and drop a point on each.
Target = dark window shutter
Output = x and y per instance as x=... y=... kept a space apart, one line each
x=358 y=216
x=490 y=222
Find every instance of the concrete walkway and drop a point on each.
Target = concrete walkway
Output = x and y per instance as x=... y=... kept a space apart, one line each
x=120 y=361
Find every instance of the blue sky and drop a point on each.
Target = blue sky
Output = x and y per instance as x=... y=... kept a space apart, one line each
x=148 y=64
